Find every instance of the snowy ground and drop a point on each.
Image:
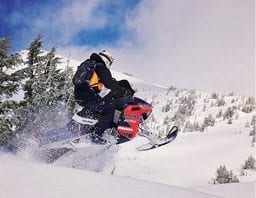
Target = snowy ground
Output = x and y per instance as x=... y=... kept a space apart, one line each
x=192 y=159
x=26 y=179
x=190 y=162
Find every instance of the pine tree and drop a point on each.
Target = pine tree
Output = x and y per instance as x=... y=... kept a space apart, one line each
x=185 y=109
x=250 y=163
x=26 y=113
x=249 y=105
x=220 y=102
x=228 y=114
x=68 y=88
x=33 y=62
x=253 y=130
x=224 y=176
x=214 y=96
x=209 y=121
x=219 y=114
x=167 y=107
x=253 y=121
x=49 y=82
x=9 y=84
x=47 y=88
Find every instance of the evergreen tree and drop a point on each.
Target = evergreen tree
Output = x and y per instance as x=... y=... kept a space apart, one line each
x=45 y=83
x=68 y=88
x=48 y=81
x=26 y=113
x=219 y=114
x=220 y=102
x=250 y=163
x=214 y=96
x=47 y=88
x=167 y=107
x=9 y=84
x=33 y=63
x=224 y=176
x=229 y=113
x=249 y=105
x=209 y=121
x=253 y=131
x=185 y=109
x=253 y=121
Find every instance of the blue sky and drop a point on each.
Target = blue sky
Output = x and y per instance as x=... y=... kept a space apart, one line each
x=22 y=20
x=204 y=45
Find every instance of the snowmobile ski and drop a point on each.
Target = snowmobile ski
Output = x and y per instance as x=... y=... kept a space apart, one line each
x=160 y=142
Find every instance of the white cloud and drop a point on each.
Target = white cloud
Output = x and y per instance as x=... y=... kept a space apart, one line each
x=206 y=45
x=70 y=19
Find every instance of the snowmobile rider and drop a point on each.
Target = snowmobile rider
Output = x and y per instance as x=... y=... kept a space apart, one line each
x=98 y=92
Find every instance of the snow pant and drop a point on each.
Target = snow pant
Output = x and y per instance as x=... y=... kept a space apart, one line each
x=103 y=112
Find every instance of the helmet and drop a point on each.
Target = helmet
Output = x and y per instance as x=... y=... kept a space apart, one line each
x=106 y=57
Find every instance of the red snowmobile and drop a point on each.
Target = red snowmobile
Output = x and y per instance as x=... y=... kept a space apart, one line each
x=128 y=124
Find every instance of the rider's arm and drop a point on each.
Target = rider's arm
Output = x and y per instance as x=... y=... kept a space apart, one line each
x=109 y=82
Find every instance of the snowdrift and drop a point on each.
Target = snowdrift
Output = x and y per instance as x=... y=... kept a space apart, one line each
x=26 y=179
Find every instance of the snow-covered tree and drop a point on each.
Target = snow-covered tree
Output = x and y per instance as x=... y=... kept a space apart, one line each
x=188 y=127
x=46 y=86
x=247 y=124
x=185 y=109
x=230 y=121
x=9 y=83
x=204 y=108
x=34 y=60
x=214 y=96
x=231 y=94
x=68 y=88
x=167 y=107
x=250 y=101
x=220 y=102
x=224 y=176
x=247 y=108
x=209 y=121
x=48 y=83
x=249 y=105
x=170 y=89
x=250 y=163
x=253 y=124
x=253 y=130
x=229 y=113
x=219 y=114
x=253 y=121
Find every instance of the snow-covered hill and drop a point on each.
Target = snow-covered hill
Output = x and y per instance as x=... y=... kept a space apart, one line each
x=215 y=130
x=25 y=179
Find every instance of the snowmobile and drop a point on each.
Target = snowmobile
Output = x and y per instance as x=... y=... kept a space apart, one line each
x=127 y=124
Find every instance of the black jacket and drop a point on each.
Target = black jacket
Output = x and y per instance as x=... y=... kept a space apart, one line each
x=106 y=78
x=84 y=95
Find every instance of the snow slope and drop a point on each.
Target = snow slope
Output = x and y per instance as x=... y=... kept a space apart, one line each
x=189 y=162
x=24 y=180
x=247 y=189
x=192 y=159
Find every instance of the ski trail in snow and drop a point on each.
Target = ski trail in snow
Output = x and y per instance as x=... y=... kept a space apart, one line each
x=96 y=158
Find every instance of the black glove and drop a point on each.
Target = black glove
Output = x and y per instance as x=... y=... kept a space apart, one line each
x=127 y=93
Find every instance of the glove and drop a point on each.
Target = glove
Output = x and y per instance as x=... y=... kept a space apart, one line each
x=127 y=93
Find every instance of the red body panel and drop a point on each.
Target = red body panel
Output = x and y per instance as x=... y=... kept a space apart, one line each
x=133 y=115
